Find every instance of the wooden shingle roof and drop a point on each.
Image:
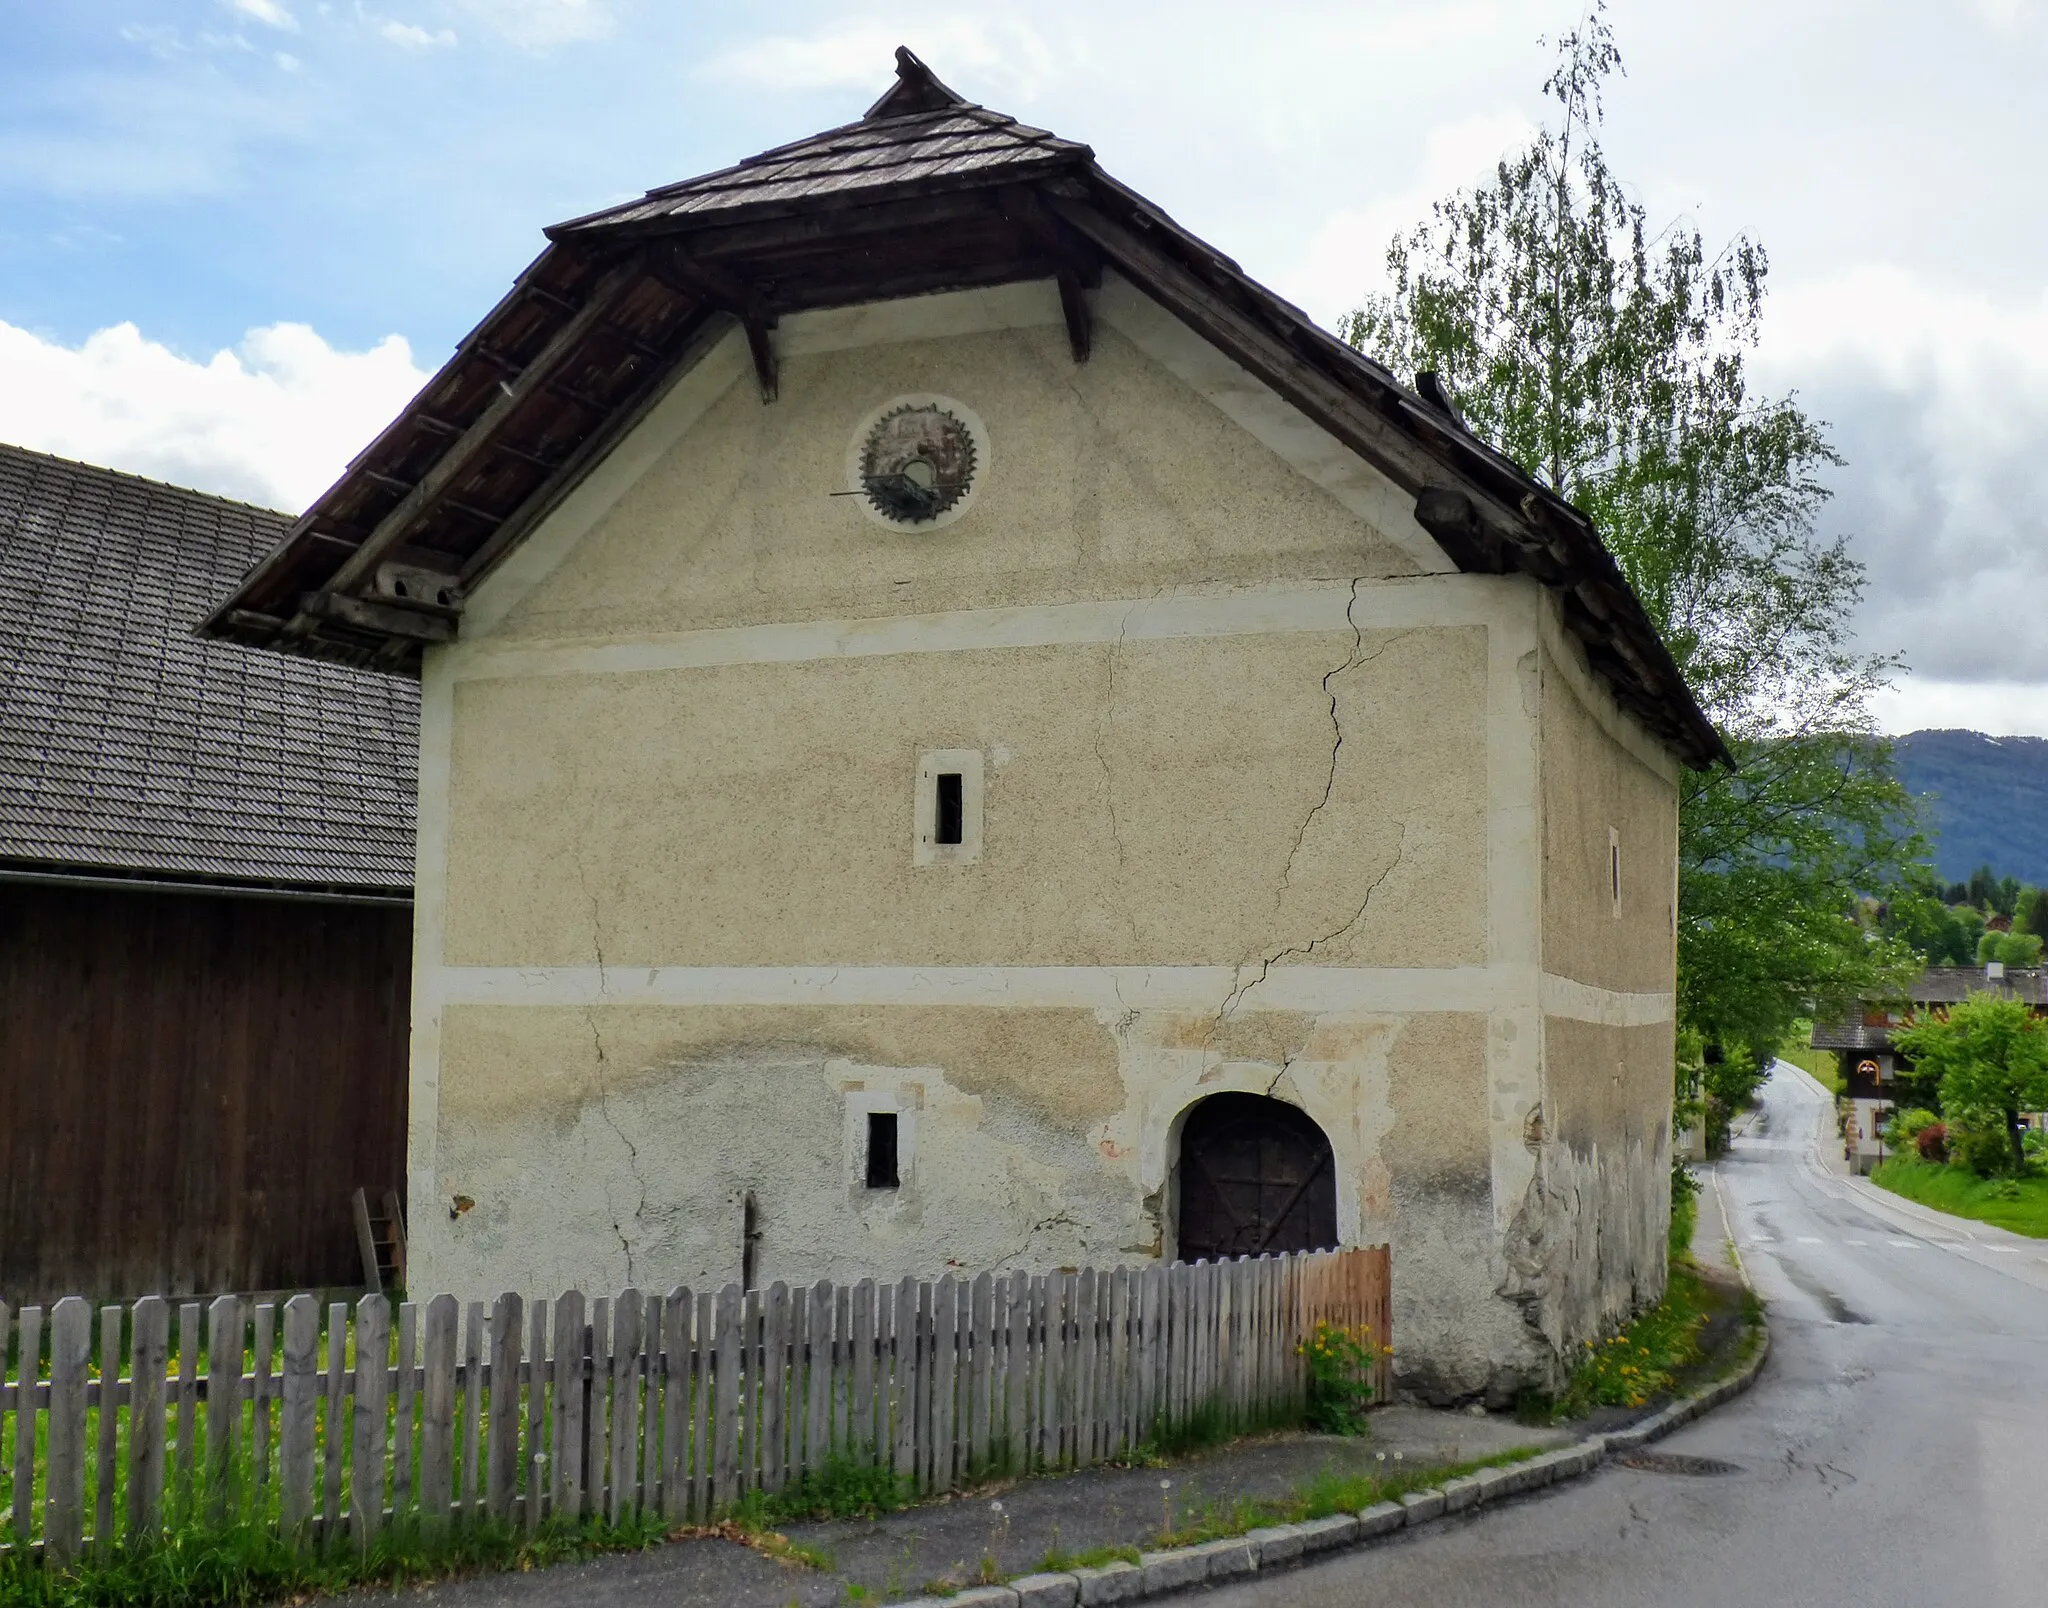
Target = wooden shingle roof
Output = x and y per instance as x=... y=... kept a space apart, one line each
x=925 y=193
x=130 y=748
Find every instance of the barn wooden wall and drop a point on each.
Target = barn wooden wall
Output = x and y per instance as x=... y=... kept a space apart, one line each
x=192 y=1086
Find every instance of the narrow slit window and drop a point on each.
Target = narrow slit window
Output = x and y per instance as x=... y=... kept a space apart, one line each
x=1614 y=866
x=949 y=819
x=882 y=1165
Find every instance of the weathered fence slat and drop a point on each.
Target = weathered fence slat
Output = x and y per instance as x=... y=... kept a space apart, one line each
x=103 y=1532
x=678 y=1406
x=508 y=1322
x=336 y=1443
x=295 y=1429
x=437 y=1413
x=565 y=1434
x=70 y=1361
x=366 y=1454
x=536 y=1462
x=149 y=1351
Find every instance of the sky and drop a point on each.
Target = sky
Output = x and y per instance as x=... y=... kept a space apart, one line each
x=236 y=235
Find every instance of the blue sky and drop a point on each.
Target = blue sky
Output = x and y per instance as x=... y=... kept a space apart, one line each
x=234 y=234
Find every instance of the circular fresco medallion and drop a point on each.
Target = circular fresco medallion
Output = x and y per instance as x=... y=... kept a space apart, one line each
x=916 y=462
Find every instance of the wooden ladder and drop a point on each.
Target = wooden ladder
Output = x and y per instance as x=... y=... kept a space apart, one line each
x=381 y=1234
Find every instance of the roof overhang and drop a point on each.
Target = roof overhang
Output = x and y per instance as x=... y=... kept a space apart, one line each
x=622 y=302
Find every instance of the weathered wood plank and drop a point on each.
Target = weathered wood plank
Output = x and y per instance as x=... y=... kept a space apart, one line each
x=903 y=1384
x=726 y=1399
x=565 y=1438
x=860 y=1342
x=840 y=1396
x=775 y=1376
x=534 y=1463
x=262 y=1404
x=104 y=1536
x=335 y=1430
x=366 y=1452
x=29 y=1370
x=189 y=1349
x=501 y=1457
x=596 y=1408
x=149 y=1353
x=946 y=1317
x=974 y=1399
x=1116 y=1364
x=70 y=1365
x=749 y=1440
x=1044 y=1417
x=404 y=1413
x=298 y=1419
x=818 y=1377
x=885 y=1377
x=703 y=1387
x=224 y=1328
x=437 y=1413
x=623 y=1469
x=921 y=1393
x=1017 y=1373
x=475 y=1343
x=650 y=1404
x=676 y=1340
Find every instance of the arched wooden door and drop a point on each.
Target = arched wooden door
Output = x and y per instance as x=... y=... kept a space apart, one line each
x=1256 y=1176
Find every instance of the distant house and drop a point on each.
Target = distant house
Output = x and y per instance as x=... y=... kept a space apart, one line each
x=205 y=908
x=1871 y=1066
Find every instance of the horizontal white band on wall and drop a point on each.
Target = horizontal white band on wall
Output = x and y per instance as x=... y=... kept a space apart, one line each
x=1464 y=600
x=1391 y=989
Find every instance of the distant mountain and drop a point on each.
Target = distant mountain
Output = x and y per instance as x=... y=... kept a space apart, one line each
x=1990 y=800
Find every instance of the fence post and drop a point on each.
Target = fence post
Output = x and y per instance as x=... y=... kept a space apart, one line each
x=366 y=1455
x=295 y=1428
x=437 y=1414
x=623 y=1495
x=70 y=1355
x=566 y=1435
x=725 y=1409
x=223 y=1403
x=508 y=1321
x=148 y=1355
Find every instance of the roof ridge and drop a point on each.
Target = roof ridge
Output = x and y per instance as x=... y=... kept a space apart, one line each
x=917 y=88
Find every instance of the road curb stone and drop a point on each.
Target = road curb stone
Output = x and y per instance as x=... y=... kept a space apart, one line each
x=1280 y=1546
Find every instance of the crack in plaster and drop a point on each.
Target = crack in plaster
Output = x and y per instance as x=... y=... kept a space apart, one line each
x=603 y=1091
x=1240 y=988
x=1106 y=729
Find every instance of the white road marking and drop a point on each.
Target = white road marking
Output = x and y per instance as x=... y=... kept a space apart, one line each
x=1859 y=1244
x=1904 y=1245
x=1811 y=1239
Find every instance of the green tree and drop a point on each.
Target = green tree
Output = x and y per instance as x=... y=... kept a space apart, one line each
x=1983 y=888
x=2030 y=913
x=1990 y=1054
x=2009 y=948
x=1940 y=933
x=1609 y=358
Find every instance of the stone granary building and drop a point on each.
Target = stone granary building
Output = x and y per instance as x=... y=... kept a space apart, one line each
x=959 y=731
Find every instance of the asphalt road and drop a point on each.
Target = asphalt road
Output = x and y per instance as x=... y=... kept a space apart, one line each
x=1894 y=1450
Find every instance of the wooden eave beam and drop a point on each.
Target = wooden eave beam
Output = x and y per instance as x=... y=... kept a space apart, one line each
x=463 y=452
x=1023 y=203
x=379 y=619
x=1409 y=463
x=716 y=287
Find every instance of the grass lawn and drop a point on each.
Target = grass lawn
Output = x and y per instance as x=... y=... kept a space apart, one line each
x=1823 y=1064
x=2020 y=1204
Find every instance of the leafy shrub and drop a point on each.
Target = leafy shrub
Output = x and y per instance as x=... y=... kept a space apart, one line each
x=1906 y=1126
x=1685 y=1190
x=1932 y=1142
x=1340 y=1363
x=1981 y=1144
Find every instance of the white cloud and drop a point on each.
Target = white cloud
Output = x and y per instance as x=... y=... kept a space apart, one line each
x=273 y=421
x=1001 y=57
x=539 y=24
x=1347 y=257
x=2001 y=708
x=1939 y=400
x=266 y=11
x=287 y=61
x=411 y=36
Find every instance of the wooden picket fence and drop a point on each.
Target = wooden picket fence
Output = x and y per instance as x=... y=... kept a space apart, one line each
x=677 y=1405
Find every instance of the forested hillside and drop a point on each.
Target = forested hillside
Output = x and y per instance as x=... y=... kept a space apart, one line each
x=1991 y=800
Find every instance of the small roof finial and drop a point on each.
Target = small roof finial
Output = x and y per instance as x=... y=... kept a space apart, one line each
x=916 y=90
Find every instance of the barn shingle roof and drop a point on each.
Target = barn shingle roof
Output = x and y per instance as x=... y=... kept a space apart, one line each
x=129 y=747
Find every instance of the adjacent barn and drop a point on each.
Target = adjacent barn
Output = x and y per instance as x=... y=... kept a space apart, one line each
x=205 y=909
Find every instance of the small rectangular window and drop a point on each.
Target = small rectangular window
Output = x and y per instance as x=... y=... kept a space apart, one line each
x=950 y=814
x=1614 y=866
x=882 y=1172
